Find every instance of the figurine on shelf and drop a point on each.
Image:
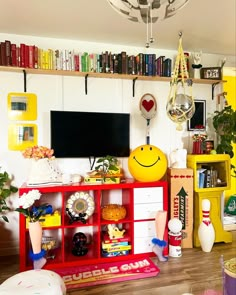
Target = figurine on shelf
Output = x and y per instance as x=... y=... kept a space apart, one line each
x=114 y=232
x=79 y=242
x=178 y=158
x=197 y=64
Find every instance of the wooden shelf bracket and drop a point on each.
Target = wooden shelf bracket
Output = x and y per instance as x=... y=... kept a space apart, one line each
x=86 y=84
x=25 y=81
x=134 y=80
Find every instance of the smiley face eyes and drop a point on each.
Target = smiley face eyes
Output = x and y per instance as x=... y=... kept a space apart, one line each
x=149 y=148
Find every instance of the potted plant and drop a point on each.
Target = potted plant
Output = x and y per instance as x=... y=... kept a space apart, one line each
x=6 y=189
x=105 y=166
x=224 y=122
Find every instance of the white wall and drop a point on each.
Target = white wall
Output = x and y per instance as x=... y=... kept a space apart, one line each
x=107 y=95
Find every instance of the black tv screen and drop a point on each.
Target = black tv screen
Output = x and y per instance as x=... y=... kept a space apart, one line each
x=89 y=134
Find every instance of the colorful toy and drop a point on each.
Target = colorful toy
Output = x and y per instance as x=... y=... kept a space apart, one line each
x=79 y=242
x=159 y=243
x=175 y=237
x=114 y=232
x=147 y=163
x=113 y=212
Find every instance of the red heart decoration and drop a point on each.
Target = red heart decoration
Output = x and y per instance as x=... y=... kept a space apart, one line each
x=148 y=104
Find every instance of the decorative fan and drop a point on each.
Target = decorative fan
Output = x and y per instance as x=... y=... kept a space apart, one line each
x=148 y=108
x=80 y=206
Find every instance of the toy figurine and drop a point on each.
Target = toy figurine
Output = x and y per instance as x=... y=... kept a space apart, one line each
x=114 y=232
x=197 y=64
x=178 y=158
x=79 y=242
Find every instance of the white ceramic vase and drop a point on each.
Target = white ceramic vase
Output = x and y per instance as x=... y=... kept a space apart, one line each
x=206 y=231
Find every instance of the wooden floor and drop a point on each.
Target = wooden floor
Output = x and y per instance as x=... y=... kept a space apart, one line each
x=194 y=272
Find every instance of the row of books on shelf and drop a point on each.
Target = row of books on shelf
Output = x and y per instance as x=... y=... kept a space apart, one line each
x=208 y=177
x=116 y=246
x=31 y=56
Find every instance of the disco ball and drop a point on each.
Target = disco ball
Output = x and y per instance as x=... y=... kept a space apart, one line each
x=181 y=108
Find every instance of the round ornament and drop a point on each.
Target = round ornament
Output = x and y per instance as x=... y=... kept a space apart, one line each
x=147 y=163
x=80 y=203
x=148 y=106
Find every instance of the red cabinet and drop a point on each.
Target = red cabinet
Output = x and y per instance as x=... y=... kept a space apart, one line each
x=141 y=201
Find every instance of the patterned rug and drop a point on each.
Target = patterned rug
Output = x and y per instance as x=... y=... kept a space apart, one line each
x=105 y=273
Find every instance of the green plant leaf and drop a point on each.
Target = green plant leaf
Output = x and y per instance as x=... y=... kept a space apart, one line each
x=4 y=218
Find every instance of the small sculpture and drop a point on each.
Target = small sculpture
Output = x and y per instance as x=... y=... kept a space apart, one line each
x=114 y=232
x=178 y=158
x=79 y=242
x=197 y=64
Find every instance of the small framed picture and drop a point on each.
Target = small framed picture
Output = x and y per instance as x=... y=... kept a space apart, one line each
x=22 y=106
x=198 y=120
x=211 y=73
x=21 y=136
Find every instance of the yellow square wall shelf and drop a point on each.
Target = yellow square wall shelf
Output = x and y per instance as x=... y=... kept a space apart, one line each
x=22 y=106
x=219 y=163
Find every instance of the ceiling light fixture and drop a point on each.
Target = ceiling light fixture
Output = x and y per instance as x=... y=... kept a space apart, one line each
x=147 y=11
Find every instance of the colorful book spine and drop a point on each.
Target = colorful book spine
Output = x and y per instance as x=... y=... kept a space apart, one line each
x=107 y=240
x=106 y=246
x=13 y=55
x=167 y=65
x=8 y=52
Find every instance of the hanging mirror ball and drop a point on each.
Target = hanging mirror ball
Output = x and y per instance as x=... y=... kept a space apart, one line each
x=180 y=109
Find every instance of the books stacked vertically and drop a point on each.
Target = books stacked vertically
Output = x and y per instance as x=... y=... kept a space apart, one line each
x=116 y=246
x=31 y=56
x=207 y=177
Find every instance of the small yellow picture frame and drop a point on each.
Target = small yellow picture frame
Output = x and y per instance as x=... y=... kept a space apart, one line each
x=22 y=106
x=21 y=136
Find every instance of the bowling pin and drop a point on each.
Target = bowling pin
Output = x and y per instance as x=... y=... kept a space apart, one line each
x=206 y=232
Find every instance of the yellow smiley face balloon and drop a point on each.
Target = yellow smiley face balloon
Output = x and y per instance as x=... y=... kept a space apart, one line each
x=147 y=163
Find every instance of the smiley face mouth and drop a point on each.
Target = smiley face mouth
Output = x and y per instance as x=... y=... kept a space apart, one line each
x=146 y=166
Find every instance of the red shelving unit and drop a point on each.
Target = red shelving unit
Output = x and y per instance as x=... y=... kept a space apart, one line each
x=141 y=200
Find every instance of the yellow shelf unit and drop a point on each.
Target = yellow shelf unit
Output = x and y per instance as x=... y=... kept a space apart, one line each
x=220 y=163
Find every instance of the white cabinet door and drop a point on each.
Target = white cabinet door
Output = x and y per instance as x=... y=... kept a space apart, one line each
x=142 y=245
x=146 y=211
x=146 y=195
x=147 y=201
x=144 y=229
x=144 y=232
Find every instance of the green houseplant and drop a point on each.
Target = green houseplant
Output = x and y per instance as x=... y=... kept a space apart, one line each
x=6 y=189
x=105 y=165
x=224 y=122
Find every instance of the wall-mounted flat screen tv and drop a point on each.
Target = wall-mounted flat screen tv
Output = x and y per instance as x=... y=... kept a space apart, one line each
x=89 y=134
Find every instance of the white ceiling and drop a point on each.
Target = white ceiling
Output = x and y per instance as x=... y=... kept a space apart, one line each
x=207 y=25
